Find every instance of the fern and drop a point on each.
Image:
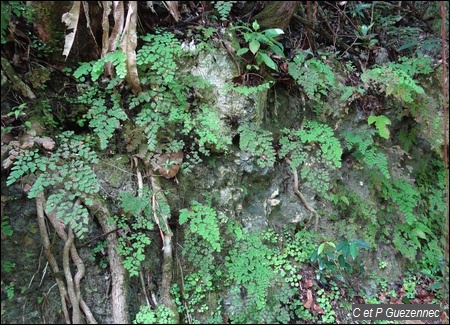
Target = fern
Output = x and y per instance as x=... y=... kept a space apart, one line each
x=203 y=222
x=67 y=173
x=103 y=120
x=132 y=245
x=251 y=277
x=406 y=198
x=316 y=150
x=258 y=142
x=315 y=77
x=223 y=8
x=164 y=105
x=365 y=151
x=381 y=123
x=156 y=58
x=393 y=81
x=209 y=131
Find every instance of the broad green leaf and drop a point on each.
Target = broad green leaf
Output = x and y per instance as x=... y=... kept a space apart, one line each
x=254 y=46
x=322 y=263
x=321 y=248
x=242 y=51
x=353 y=250
x=345 y=200
x=341 y=245
x=341 y=260
x=314 y=256
x=278 y=49
x=434 y=286
x=273 y=32
x=362 y=243
x=267 y=60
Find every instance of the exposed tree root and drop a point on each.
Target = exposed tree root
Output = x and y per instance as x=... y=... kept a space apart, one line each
x=40 y=204
x=302 y=198
x=168 y=262
x=140 y=194
x=119 y=287
x=71 y=289
x=73 y=283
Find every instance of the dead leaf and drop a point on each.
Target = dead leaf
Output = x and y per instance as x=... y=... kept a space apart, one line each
x=105 y=26
x=318 y=310
x=88 y=20
x=444 y=317
x=172 y=7
x=309 y=300
x=8 y=162
x=71 y=20
x=26 y=188
x=119 y=18
x=382 y=297
x=48 y=143
x=128 y=45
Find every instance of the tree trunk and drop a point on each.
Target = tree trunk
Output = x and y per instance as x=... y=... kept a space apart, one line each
x=276 y=14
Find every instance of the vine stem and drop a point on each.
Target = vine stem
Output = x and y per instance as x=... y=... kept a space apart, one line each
x=302 y=197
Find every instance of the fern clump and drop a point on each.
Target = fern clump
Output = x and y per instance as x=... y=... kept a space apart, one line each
x=223 y=8
x=316 y=150
x=67 y=174
x=202 y=221
x=105 y=112
x=209 y=132
x=397 y=79
x=315 y=77
x=364 y=149
x=258 y=142
x=248 y=267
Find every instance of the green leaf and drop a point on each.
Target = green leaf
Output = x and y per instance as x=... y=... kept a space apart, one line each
x=341 y=260
x=314 y=256
x=434 y=286
x=343 y=245
x=255 y=26
x=267 y=60
x=242 y=51
x=273 y=32
x=362 y=243
x=380 y=122
x=330 y=243
x=353 y=250
x=254 y=46
x=345 y=200
x=320 y=249
x=322 y=263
